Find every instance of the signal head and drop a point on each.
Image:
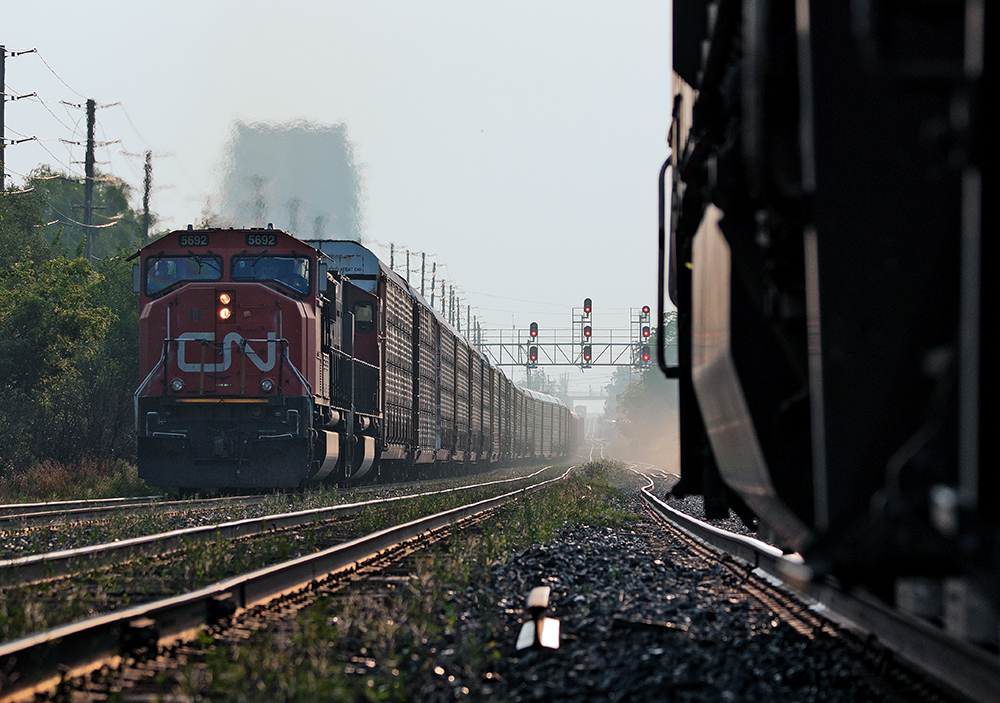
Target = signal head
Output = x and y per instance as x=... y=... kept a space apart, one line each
x=645 y=309
x=588 y=305
x=533 y=353
x=645 y=353
x=645 y=330
x=587 y=352
x=587 y=331
x=533 y=329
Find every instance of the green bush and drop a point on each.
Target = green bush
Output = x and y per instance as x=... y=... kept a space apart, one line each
x=68 y=349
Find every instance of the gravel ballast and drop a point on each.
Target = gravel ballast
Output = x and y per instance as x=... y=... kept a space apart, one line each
x=638 y=626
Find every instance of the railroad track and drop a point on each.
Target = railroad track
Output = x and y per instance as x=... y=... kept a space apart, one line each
x=40 y=567
x=958 y=665
x=22 y=515
x=38 y=662
x=14 y=517
x=374 y=579
x=15 y=512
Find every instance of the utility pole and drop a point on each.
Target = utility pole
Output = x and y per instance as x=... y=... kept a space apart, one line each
x=434 y=269
x=3 y=101
x=407 y=267
x=423 y=270
x=88 y=186
x=147 y=184
x=392 y=256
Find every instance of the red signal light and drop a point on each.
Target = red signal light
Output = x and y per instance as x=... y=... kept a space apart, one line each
x=587 y=306
x=587 y=331
x=533 y=353
x=645 y=353
x=645 y=330
x=645 y=309
x=587 y=352
x=533 y=330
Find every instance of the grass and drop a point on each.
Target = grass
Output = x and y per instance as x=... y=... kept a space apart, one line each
x=51 y=480
x=17 y=541
x=99 y=590
x=438 y=636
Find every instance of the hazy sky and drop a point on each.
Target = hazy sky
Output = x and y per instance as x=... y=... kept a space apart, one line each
x=518 y=142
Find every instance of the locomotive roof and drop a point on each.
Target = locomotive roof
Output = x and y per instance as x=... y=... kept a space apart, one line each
x=172 y=240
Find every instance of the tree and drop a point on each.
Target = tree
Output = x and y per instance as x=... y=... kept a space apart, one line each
x=68 y=346
x=49 y=326
x=116 y=225
x=20 y=233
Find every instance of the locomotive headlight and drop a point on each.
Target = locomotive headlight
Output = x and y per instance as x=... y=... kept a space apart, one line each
x=177 y=385
x=224 y=313
x=224 y=298
x=266 y=385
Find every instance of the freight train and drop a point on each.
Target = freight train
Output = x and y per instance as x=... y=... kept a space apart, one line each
x=821 y=237
x=271 y=362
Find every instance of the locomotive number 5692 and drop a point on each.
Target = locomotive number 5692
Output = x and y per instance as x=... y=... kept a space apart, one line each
x=261 y=240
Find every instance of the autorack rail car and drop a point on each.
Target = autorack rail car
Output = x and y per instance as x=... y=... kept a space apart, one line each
x=827 y=261
x=270 y=362
x=443 y=402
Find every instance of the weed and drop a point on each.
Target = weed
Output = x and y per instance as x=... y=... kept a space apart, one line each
x=425 y=636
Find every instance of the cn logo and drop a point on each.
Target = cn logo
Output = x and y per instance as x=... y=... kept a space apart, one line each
x=227 y=351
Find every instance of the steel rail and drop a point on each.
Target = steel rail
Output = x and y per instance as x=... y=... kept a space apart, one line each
x=83 y=511
x=12 y=509
x=965 y=668
x=39 y=567
x=38 y=662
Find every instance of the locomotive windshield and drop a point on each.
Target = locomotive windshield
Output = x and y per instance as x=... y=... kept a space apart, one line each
x=289 y=271
x=164 y=271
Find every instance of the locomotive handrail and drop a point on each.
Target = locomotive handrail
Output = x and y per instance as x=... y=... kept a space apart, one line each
x=298 y=375
x=135 y=396
x=242 y=347
x=661 y=359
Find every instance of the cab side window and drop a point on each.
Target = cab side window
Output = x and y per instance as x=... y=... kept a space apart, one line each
x=364 y=317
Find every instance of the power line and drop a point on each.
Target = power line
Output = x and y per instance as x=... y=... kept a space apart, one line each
x=52 y=71
x=113 y=220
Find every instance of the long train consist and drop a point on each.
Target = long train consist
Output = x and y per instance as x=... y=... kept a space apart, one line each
x=826 y=257
x=270 y=362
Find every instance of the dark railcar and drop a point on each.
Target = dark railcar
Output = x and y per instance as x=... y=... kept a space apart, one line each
x=826 y=259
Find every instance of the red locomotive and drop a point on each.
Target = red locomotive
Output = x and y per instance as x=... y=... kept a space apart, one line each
x=270 y=362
